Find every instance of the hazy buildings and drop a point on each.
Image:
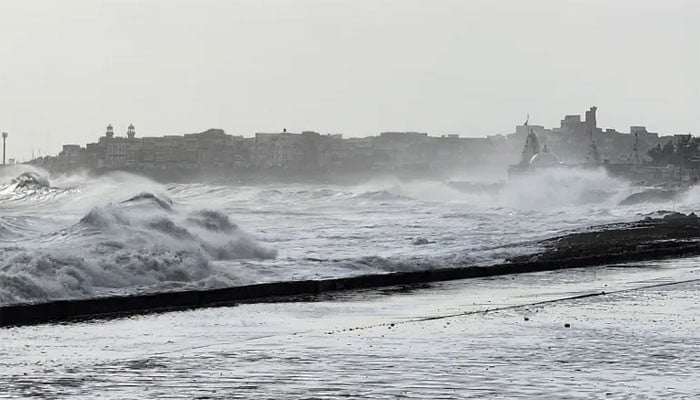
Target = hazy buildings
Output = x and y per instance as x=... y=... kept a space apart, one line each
x=305 y=151
x=576 y=140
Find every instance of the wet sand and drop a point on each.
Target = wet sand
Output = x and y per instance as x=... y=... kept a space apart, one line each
x=488 y=337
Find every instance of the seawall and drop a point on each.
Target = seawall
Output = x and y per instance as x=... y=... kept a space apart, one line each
x=118 y=306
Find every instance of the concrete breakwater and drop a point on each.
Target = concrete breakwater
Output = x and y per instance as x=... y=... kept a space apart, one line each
x=674 y=235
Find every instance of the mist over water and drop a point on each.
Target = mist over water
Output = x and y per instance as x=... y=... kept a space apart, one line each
x=79 y=236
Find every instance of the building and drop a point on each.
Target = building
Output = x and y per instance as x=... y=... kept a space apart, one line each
x=575 y=141
x=71 y=157
x=265 y=149
x=402 y=150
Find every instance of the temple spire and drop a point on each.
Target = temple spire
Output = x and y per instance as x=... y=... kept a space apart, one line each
x=532 y=147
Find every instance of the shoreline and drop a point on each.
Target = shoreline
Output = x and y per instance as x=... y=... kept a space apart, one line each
x=672 y=236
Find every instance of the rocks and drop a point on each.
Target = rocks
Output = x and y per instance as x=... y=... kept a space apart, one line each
x=420 y=241
x=674 y=234
x=676 y=216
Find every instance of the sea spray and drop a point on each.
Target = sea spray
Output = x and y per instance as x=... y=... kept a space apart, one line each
x=119 y=233
x=562 y=187
x=132 y=243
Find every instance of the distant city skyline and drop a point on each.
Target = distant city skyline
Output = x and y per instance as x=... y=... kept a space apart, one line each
x=355 y=68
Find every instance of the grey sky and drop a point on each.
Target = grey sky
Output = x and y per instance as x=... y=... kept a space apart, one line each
x=67 y=68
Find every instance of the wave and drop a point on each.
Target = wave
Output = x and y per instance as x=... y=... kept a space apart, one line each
x=559 y=188
x=164 y=203
x=144 y=242
x=31 y=180
x=389 y=189
x=377 y=264
x=83 y=236
x=381 y=191
x=380 y=195
x=50 y=275
x=30 y=185
x=154 y=220
x=28 y=179
x=10 y=172
x=651 y=196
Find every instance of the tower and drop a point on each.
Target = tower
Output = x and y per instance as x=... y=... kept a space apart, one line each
x=110 y=132
x=591 y=118
x=4 y=138
x=131 y=131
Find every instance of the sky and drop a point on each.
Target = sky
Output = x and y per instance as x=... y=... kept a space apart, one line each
x=473 y=67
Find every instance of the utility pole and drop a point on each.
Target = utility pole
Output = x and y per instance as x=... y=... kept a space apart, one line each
x=4 y=139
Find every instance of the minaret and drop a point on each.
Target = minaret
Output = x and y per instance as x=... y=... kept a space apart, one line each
x=131 y=132
x=110 y=132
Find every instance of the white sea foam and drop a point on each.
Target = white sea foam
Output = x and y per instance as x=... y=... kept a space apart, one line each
x=82 y=236
x=134 y=240
x=563 y=187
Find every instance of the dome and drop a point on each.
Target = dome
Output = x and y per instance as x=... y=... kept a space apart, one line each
x=543 y=159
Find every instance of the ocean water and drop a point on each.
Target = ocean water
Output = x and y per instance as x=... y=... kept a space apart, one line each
x=76 y=236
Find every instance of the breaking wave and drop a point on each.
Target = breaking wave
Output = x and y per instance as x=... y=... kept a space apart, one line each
x=31 y=180
x=80 y=236
x=557 y=188
x=144 y=242
x=148 y=218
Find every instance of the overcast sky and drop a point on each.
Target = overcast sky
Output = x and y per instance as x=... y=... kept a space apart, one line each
x=68 y=68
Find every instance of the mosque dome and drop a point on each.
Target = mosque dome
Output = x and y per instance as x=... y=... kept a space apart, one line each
x=543 y=159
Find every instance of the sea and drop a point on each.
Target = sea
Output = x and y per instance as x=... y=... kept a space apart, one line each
x=80 y=236
x=614 y=332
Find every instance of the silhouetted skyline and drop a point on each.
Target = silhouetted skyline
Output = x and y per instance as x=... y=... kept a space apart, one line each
x=355 y=68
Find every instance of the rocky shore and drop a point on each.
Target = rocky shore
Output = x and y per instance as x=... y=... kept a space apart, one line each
x=673 y=235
